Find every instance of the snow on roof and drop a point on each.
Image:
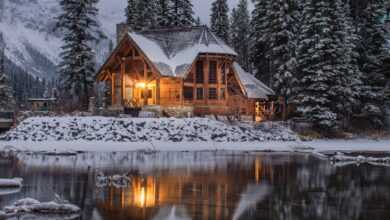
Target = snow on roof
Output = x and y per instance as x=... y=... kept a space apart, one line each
x=253 y=87
x=173 y=51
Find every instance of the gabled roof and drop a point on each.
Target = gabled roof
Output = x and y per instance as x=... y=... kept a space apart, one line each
x=253 y=88
x=173 y=51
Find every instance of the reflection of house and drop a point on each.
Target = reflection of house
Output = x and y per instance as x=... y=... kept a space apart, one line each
x=42 y=104
x=204 y=195
x=181 y=68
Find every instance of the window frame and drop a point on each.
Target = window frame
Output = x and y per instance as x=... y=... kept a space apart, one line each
x=197 y=93
x=199 y=72
x=215 y=96
x=188 y=93
x=213 y=72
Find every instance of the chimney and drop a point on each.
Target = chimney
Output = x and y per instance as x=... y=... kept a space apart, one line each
x=121 y=30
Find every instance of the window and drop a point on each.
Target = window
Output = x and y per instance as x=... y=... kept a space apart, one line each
x=199 y=94
x=223 y=77
x=213 y=94
x=223 y=94
x=188 y=93
x=199 y=72
x=213 y=72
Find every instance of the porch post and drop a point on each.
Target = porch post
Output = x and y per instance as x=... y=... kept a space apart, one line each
x=145 y=90
x=122 y=83
x=158 y=91
x=113 y=96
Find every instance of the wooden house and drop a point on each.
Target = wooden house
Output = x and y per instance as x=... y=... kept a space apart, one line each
x=176 y=69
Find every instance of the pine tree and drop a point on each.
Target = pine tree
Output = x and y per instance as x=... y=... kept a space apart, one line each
x=131 y=13
x=260 y=29
x=318 y=63
x=182 y=13
x=372 y=56
x=240 y=33
x=146 y=15
x=7 y=101
x=77 y=68
x=164 y=15
x=220 y=19
x=351 y=80
x=282 y=47
x=198 y=22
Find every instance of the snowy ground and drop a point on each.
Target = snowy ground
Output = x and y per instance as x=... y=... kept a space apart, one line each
x=69 y=135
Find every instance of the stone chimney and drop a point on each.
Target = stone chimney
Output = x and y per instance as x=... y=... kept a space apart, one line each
x=121 y=30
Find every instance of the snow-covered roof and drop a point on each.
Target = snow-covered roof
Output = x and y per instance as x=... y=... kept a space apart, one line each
x=172 y=51
x=253 y=88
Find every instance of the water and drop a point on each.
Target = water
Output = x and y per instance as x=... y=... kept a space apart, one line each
x=204 y=186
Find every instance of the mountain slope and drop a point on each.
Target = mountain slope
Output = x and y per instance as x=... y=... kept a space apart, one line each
x=31 y=44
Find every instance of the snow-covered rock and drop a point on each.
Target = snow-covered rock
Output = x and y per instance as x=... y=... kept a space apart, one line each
x=14 y=182
x=141 y=130
x=29 y=205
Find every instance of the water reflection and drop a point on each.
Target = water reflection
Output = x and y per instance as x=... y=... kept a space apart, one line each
x=206 y=186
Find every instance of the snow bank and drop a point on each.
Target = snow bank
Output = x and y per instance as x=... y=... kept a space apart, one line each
x=341 y=157
x=7 y=183
x=139 y=131
x=29 y=205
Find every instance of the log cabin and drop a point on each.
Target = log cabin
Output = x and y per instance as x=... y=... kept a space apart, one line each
x=181 y=70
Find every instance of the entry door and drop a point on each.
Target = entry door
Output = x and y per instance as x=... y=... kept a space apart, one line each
x=150 y=95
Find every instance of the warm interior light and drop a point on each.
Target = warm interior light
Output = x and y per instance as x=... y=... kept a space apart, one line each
x=140 y=85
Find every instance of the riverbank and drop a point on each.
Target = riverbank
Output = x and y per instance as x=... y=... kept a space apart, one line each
x=316 y=146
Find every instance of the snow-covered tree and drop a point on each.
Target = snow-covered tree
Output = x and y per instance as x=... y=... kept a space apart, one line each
x=318 y=63
x=131 y=13
x=220 y=19
x=164 y=15
x=182 y=13
x=146 y=15
x=372 y=55
x=197 y=21
x=260 y=29
x=7 y=101
x=282 y=47
x=351 y=80
x=77 y=67
x=240 y=33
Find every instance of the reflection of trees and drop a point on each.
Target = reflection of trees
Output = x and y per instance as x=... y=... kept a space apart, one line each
x=316 y=190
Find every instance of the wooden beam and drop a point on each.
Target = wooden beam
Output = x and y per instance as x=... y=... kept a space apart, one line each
x=158 y=91
x=122 y=84
x=113 y=99
x=181 y=92
x=145 y=92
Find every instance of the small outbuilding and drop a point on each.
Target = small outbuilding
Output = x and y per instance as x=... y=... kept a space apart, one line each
x=42 y=104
